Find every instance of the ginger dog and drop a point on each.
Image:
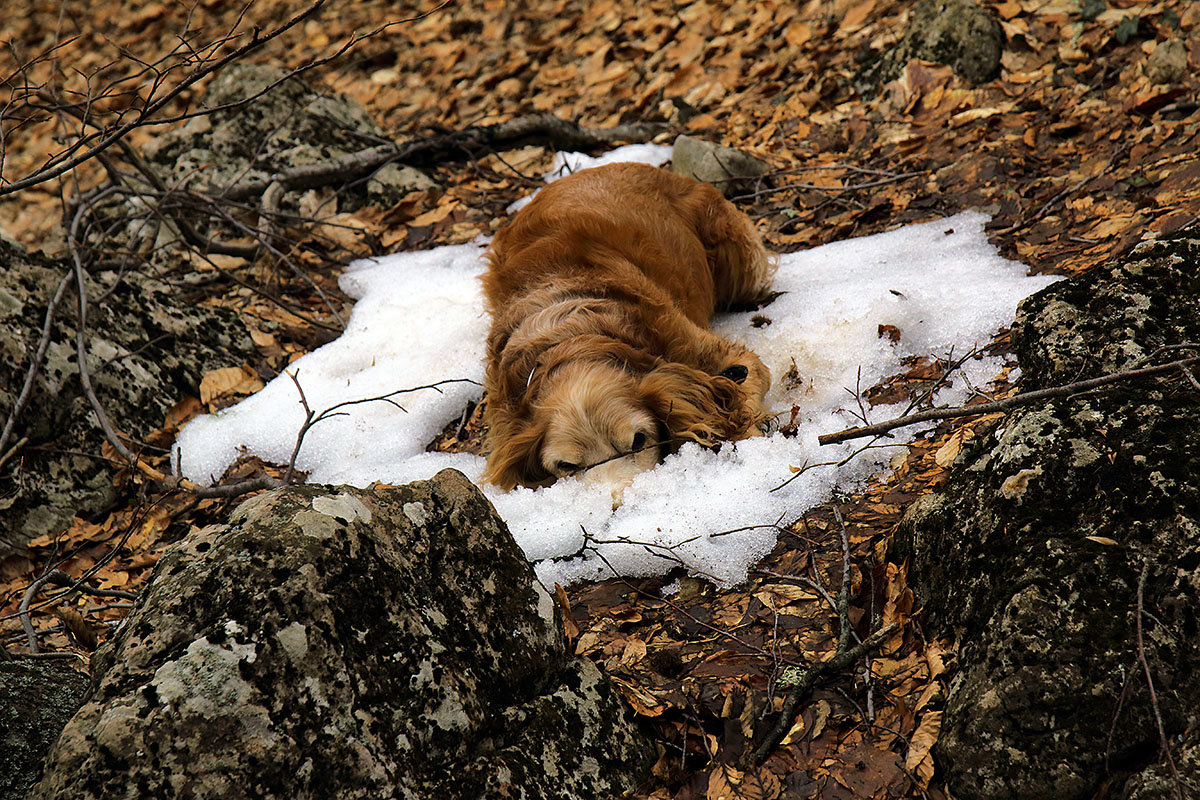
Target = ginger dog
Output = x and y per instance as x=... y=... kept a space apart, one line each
x=600 y=360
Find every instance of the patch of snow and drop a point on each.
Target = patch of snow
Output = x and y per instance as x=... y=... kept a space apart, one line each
x=566 y=162
x=419 y=319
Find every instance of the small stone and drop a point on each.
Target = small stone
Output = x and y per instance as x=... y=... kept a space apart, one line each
x=391 y=182
x=728 y=169
x=1167 y=63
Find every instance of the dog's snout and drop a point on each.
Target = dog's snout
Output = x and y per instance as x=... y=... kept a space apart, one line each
x=737 y=373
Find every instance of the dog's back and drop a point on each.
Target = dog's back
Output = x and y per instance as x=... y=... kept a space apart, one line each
x=682 y=234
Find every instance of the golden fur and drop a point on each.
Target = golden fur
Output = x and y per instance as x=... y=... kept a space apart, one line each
x=600 y=358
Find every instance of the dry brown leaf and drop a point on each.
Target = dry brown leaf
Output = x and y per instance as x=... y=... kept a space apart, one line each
x=778 y=595
x=228 y=381
x=182 y=411
x=727 y=783
x=795 y=733
x=920 y=756
x=81 y=630
x=635 y=651
x=934 y=654
x=434 y=215
x=946 y=454
x=564 y=606
x=587 y=642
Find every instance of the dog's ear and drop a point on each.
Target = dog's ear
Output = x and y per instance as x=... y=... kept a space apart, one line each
x=696 y=406
x=515 y=458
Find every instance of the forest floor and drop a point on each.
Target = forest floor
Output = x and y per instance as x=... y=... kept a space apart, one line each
x=1074 y=150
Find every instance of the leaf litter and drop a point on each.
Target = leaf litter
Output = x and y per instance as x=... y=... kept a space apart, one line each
x=1085 y=145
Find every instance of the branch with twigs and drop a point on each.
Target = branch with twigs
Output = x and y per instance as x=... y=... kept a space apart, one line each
x=89 y=145
x=1016 y=401
x=56 y=577
x=311 y=417
x=52 y=575
x=843 y=657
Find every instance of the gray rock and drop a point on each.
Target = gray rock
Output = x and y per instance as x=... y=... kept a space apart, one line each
x=147 y=348
x=1034 y=552
x=36 y=700
x=1168 y=62
x=293 y=124
x=331 y=642
x=728 y=169
x=391 y=182
x=960 y=33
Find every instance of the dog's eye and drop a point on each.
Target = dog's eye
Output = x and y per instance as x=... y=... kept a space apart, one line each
x=737 y=373
x=567 y=466
x=639 y=441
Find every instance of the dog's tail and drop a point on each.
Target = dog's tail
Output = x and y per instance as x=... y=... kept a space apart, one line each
x=742 y=268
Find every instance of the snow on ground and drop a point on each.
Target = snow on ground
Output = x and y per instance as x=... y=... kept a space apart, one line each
x=419 y=319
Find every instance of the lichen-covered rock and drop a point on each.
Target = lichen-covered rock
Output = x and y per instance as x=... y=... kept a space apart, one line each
x=1035 y=551
x=147 y=348
x=960 y=33
x=36 y=700
x=288 y=123
x=345 y=643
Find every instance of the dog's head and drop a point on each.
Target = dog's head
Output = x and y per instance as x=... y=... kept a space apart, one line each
x=598 y=420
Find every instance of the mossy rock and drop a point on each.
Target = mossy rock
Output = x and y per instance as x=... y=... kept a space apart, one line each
x=1034 y=553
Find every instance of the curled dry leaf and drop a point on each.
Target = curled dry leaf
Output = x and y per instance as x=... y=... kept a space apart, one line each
x=920 y=752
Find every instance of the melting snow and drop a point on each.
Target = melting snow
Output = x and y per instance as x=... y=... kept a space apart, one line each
x=419 y=320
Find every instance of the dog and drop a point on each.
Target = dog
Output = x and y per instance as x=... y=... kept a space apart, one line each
x=600 y=361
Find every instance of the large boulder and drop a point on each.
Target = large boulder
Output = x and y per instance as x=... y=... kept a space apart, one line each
x=147 y=345
x=1036 y=552
x=264 y=123
x=36 y=700
x=331 y=642
x=960 y=33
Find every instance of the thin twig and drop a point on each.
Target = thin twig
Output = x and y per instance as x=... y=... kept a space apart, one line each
x=35 y=363
x=1141 y=651
x=809 y=679
x=1015 y=401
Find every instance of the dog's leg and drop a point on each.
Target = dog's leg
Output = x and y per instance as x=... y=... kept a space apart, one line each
x=742 y=269
x=698 y=347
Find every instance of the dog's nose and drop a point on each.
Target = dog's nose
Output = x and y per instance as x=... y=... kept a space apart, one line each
x=737 y=373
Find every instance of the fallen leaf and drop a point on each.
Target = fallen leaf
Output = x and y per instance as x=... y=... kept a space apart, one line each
x=228 y=381
x=920 y=756
x=946 y=454
x=81 y=630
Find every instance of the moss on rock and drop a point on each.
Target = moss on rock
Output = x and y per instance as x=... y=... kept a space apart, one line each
x=1034 y=552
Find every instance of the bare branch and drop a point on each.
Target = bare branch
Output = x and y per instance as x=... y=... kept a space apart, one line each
x=103 y=141
x=1015 y=401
